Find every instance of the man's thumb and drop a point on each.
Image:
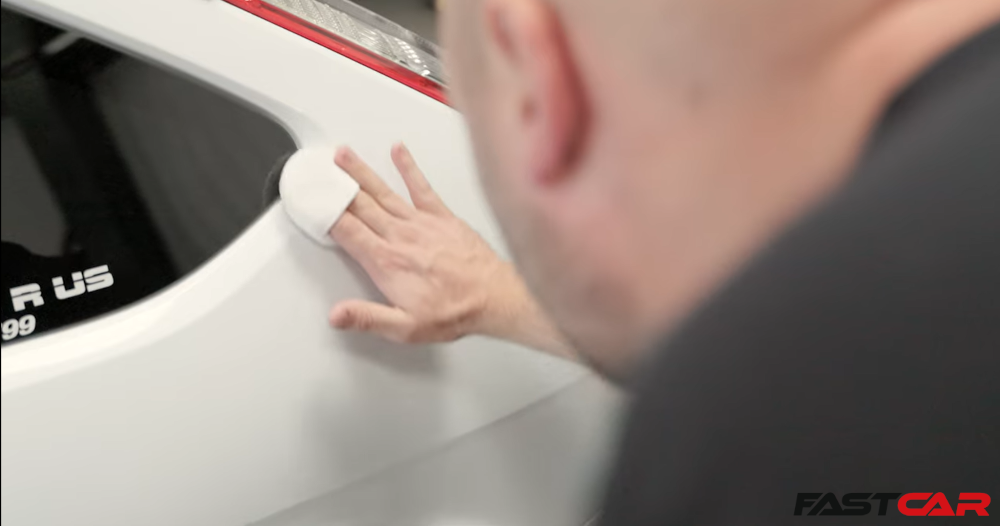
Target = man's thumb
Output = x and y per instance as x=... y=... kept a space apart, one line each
x=365 y=316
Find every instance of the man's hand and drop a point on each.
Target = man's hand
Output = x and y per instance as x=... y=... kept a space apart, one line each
x=442 y=280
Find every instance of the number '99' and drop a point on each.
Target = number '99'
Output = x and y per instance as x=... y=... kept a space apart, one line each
x=18 y=327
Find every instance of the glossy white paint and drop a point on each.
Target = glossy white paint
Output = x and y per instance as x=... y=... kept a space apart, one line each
x=226 y=399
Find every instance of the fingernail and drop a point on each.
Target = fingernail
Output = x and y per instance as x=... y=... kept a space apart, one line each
x=345 y=155
x=338 y=318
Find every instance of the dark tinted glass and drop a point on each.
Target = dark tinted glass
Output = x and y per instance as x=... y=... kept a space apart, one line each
x=118 y=177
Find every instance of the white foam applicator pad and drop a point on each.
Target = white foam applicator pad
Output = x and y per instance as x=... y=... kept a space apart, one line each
x=315 y=192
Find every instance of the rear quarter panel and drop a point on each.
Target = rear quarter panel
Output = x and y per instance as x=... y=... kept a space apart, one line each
x=226 y=399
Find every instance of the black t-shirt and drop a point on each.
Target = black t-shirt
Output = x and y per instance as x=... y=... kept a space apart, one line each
x=858 y=354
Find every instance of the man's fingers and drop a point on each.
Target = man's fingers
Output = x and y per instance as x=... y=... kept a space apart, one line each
x=365 y=208
x=370 y=182
x=349 y=161
x=424 y=197
x=357 y=238
x=364 y=316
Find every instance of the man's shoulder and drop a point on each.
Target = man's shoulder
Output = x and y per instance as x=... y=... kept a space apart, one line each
x=857 y=352
x=915 y=230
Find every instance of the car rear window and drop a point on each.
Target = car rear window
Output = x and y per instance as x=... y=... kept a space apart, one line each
x=118 y=177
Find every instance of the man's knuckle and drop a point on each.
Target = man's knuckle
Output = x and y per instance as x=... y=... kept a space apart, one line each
x=412 y=334
x=364 y=321
x=407 y=233
x=392 y=258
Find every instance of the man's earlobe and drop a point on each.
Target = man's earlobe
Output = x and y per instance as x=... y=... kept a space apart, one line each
x=552 y=112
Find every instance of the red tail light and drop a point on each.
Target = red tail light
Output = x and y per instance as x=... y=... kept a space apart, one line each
x=361 y=36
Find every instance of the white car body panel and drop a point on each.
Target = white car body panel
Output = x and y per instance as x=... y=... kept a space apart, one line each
x=227 y=400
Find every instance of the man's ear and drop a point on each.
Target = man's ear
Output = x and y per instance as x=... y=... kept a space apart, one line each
x=551 y=106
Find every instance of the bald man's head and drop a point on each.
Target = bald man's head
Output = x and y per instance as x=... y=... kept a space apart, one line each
x=638 y=151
